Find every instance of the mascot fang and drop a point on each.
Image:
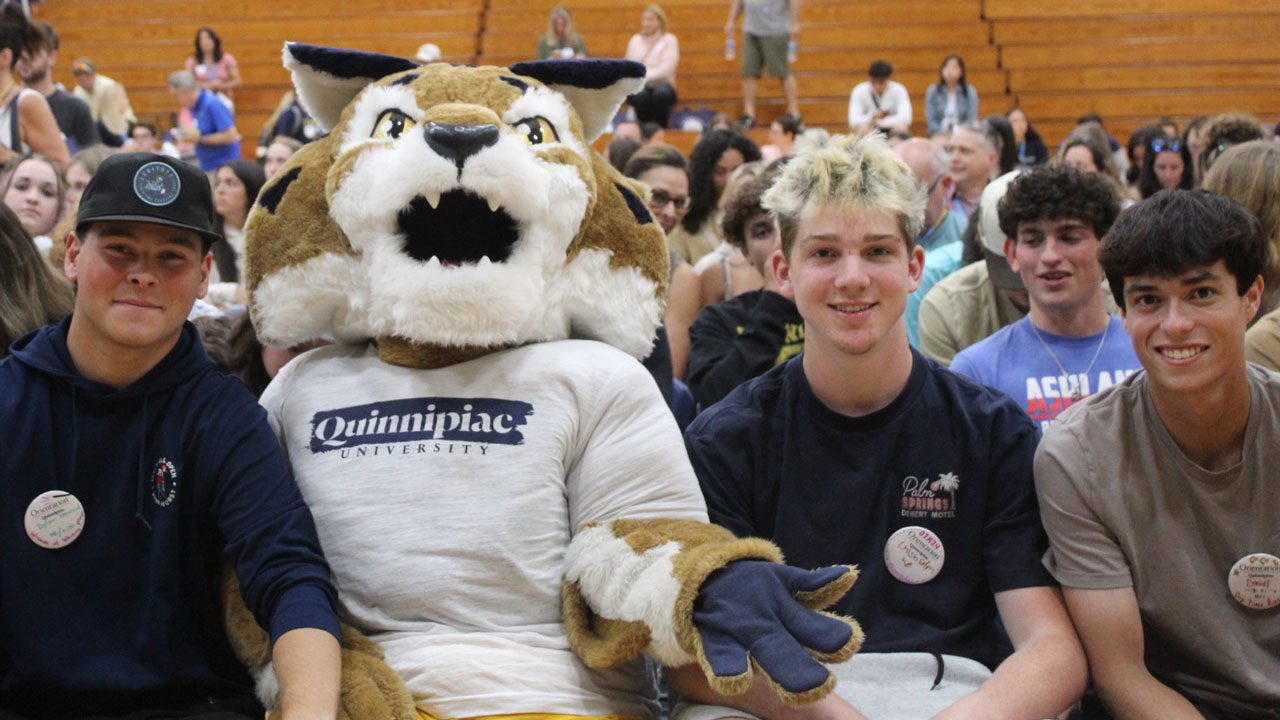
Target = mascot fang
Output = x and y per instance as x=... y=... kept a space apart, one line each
x=503 y=497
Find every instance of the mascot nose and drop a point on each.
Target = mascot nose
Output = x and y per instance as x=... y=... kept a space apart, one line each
x=459 y=142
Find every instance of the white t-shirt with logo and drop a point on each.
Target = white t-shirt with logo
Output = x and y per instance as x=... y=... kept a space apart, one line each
x=445 y=500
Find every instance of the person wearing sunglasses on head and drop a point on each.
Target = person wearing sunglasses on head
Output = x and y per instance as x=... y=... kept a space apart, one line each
x=1224 y=131
x=1166 y=164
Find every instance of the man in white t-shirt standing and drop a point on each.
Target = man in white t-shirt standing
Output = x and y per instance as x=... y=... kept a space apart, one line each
x=1068 y=347
x=879 y=103
x=1155 y=493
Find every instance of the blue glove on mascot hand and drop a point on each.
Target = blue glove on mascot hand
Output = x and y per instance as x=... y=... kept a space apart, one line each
x=762 y=614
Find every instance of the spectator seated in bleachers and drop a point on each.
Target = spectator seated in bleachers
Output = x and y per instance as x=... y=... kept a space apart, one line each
x=145 y=137
x=782 y=137
x=1031 y=147
x=215 y=70
x=1165 y=164
x=951 y=101
x=35 y=191
x=1092 y=123
x=1136 y=149
x=214 y=127
x=879 y=103
x=32 y=293
x=1068 y=347
x=107 y=101
x=740 y=338
x=1158 y=494
x=832 y=456
x=974 y=159
x=1249 y=174
x=725 y=271
x=72 y=114
x=663 y=169
x=561 y=40
x=659 y=51
x=1223 y=131
x=236 y=185
x=713 y=157
x=975 y=301
x=26 y=122
x=278 y=153
x=1085 y=149
x=943 y=224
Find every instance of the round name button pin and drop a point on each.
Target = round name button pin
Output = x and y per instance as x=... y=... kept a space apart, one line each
x=54 y=519
x=1254 y=581
x=914 y=555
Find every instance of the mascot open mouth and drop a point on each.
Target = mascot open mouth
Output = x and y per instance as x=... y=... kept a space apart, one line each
x=462 y=229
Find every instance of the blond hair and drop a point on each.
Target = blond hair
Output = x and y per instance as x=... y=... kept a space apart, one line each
x=570 y=35
x=1249 y=174
x=854 y=174
x=657 y=11
x=31 y=293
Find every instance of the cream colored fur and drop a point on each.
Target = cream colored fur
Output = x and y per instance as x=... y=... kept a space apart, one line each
x=621 y=584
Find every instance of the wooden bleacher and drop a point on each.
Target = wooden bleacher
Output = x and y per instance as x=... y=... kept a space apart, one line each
x=1129 y=60
x=140 y=41
x=839 y=40
x=1133 y=61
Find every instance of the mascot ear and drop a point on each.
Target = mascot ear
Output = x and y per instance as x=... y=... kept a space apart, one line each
x=595 y=88
x=328 y=79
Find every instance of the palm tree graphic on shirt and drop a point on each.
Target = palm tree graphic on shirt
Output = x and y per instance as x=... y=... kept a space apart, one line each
x=947 y=482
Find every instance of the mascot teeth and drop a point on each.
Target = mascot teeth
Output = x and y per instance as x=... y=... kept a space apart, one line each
x=494 y=205
x=455 y=228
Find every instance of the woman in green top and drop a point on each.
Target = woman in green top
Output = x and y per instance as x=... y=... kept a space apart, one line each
x=561 y=40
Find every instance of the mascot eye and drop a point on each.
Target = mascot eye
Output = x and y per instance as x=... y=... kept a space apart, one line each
x=392 y=124
x=536 y=130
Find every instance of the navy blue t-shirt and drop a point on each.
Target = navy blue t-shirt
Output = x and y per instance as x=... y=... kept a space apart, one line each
x=947 y=454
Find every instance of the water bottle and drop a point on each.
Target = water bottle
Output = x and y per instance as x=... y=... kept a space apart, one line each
x=793 y=51
x=728 y=49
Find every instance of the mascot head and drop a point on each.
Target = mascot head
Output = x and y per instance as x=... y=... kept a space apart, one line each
x=454 y=210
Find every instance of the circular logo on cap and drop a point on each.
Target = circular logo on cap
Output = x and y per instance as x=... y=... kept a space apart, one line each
x=156 y=184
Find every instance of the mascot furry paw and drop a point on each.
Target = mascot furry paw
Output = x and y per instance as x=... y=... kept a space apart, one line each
x=503 y=497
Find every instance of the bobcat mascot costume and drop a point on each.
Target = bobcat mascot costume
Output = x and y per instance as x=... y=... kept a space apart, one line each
x=503 y=497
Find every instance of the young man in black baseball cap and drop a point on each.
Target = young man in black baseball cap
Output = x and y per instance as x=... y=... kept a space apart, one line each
x=132 y=471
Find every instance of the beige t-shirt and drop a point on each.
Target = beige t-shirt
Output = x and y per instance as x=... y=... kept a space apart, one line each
x=1125 y=507
x=962 y=309
x=966 y=307
x=1262 y=342
x=694 y=246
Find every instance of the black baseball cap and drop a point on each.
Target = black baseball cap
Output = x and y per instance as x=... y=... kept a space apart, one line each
x=149 y=188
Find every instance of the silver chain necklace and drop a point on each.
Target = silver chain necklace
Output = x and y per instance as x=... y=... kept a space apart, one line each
x=1075 y=389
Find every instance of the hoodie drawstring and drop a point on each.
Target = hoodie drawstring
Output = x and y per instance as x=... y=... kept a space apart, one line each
x=143 y=477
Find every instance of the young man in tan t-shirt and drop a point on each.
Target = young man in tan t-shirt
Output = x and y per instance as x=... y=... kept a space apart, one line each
x=1155 y=492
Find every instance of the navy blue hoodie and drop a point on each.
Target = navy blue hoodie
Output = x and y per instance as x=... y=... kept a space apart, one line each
x=177 y=472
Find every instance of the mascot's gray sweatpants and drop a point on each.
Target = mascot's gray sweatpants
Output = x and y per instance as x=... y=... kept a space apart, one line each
x=883 y=686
